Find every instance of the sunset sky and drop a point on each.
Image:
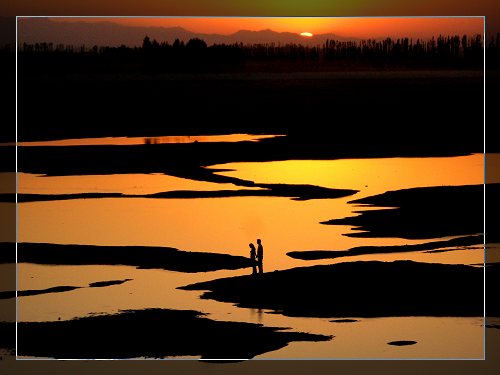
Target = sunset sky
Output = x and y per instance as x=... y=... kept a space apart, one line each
x=348 y=27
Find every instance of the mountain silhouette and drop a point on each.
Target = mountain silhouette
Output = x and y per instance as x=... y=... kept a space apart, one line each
x=106 y=33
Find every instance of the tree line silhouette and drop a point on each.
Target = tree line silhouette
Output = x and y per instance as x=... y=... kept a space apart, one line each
x=441 y=52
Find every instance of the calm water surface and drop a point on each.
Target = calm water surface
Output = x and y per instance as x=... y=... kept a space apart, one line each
x=227 y=225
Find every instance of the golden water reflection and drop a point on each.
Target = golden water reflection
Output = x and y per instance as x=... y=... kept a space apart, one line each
x=128 y=141
x=370 y=176
x=227 y=225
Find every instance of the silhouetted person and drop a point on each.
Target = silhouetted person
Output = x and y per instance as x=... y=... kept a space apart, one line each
x=260 y=256
x=253 y=258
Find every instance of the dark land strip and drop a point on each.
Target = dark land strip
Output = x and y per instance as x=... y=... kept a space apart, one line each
x=402 y=343
x=24 y=198
x=56 y=289
x=138 y=256
x=362 y=289
x=429 y=247
x=296 y=192
x=101 y=284
x=151 y=333
x=422 y=102
x=23 y=293
x=59 y=289
x=422 y=213
x=7 y=252
x=344 y=320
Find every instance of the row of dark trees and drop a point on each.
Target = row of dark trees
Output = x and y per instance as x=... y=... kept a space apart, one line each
x=443 y=51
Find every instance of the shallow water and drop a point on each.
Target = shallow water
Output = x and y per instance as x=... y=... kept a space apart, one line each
x=369 y=176
x=227 y=225
x=130 y=184
x=436 y=337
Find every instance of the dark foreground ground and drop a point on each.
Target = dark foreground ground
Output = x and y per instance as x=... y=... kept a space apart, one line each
x=362 y=289
x=417 y=111
x=151 y=333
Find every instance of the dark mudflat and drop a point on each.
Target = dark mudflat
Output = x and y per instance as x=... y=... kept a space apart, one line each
x=100 y=284
x=344 y=320
x=361 y=289
x=59 y=289
x=8 y=294
x=137 y=256
x=296 y=192
x=430 y=247
x=402 y=343
x=56 y=289
x=152 y=333
x=421 y=213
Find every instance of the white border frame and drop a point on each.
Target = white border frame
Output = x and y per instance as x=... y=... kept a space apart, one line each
x=276 y=359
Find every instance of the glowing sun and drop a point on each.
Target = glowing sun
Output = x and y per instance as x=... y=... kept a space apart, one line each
x=305 y=33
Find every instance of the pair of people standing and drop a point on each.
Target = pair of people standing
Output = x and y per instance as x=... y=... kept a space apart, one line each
x=257 y=257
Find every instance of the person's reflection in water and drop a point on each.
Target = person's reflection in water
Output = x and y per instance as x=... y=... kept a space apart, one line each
x=253 y=258
x=260 y=256
x=259 y=315
x=256 y=315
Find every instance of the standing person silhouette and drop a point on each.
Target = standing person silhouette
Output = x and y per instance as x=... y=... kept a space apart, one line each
x=260 y=256
x=253 y=258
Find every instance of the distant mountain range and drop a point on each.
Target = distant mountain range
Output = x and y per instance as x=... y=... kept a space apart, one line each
x=36 y=30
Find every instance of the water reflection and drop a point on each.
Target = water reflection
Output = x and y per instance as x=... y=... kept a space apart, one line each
x=132 y=184
x=448 y=338
x=128 y=141
x=227 y=225
x=370 y=176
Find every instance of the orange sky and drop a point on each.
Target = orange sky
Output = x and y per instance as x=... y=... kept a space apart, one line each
x=349 y=27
